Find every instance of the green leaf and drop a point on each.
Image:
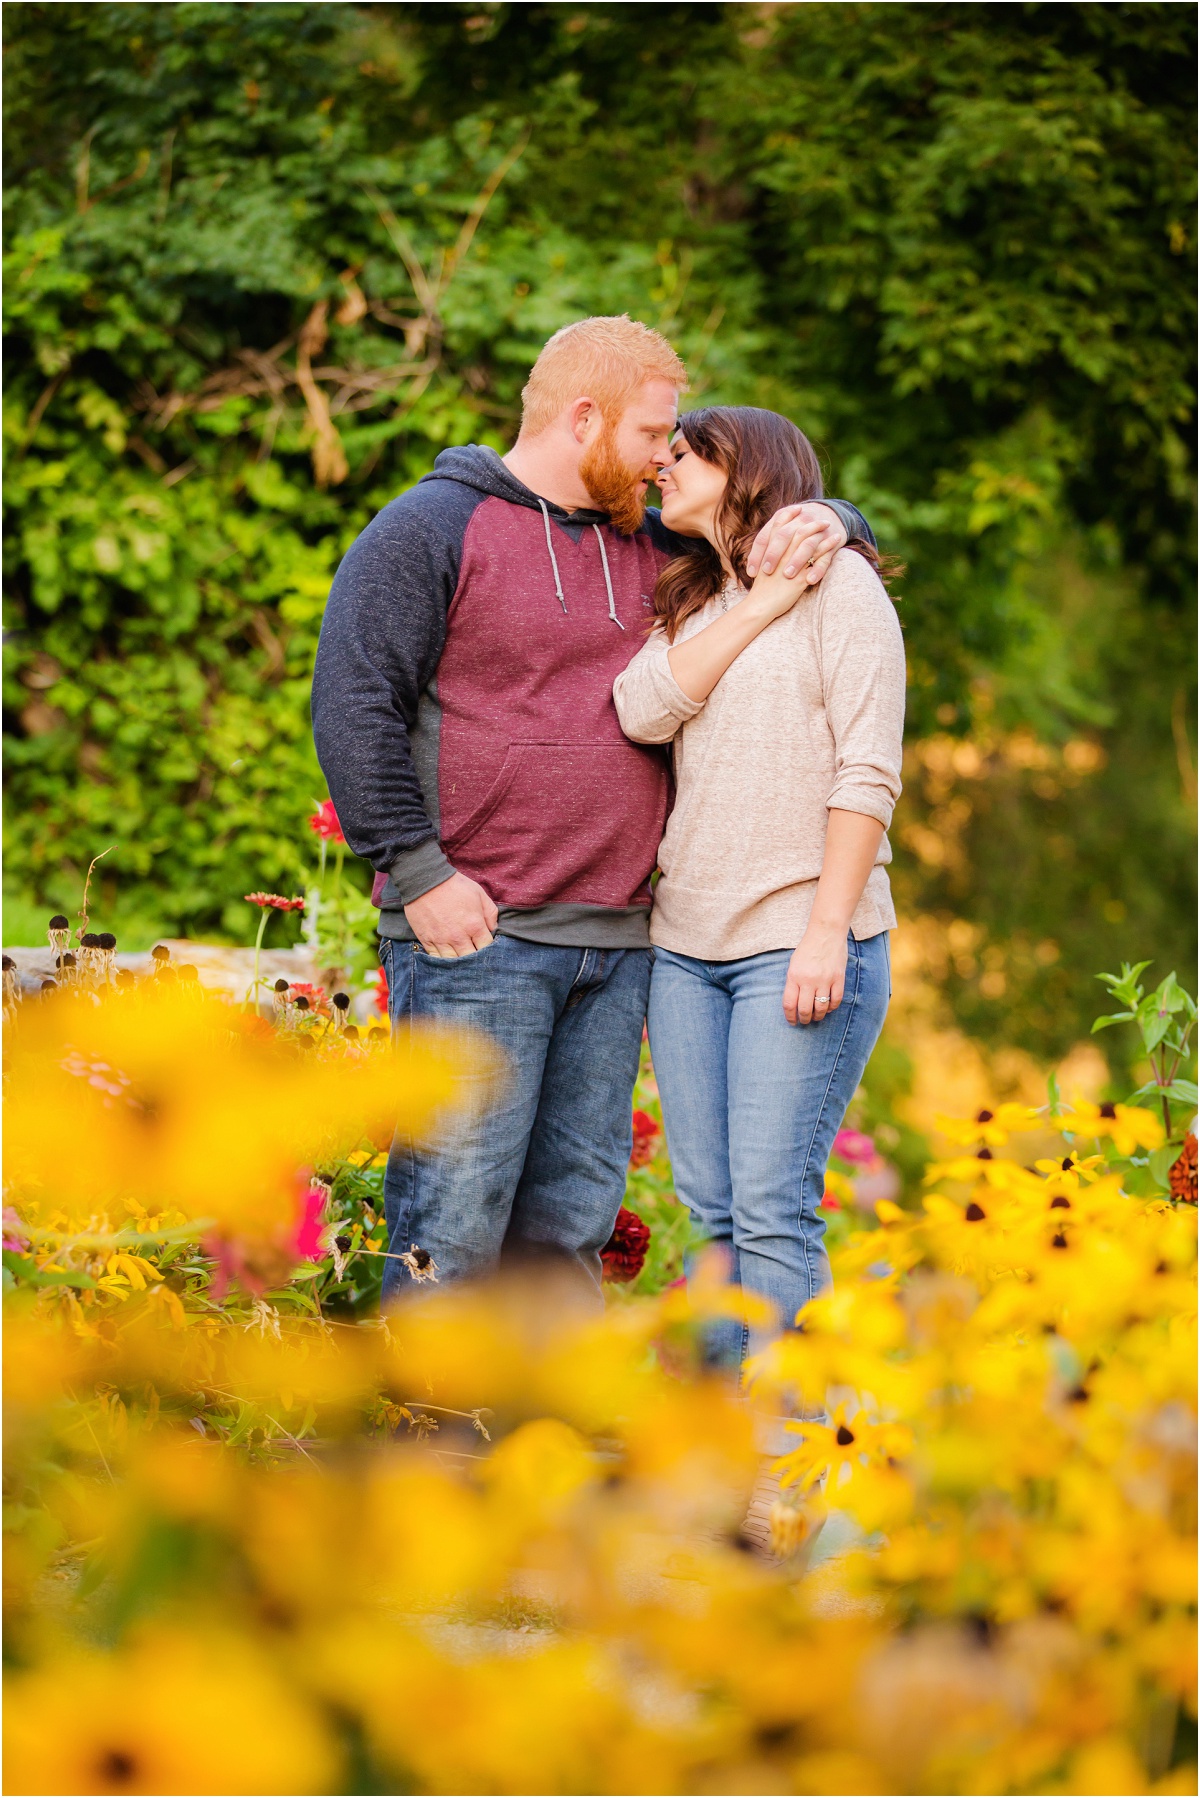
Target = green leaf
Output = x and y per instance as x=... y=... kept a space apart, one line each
x=1117 y=1017
x=1162 y=1160
x=1180 y=1092
x=23 y=1267
x=1169 y=995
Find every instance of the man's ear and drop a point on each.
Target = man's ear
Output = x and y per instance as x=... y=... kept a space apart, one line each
x=583 y=415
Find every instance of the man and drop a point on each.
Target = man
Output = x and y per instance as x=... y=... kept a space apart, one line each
x=463 y=714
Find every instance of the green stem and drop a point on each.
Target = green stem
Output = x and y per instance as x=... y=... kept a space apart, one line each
x=262 y=925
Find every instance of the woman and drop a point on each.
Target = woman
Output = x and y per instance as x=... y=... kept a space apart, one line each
x=784 y=705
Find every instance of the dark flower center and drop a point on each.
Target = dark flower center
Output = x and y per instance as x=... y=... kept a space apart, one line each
x=117 y=1766
x=1058 y=1203
x=984 y=1116
x=844 y=1436
x=1108 y=1110
x=975 y=1213
x=1059 y=1241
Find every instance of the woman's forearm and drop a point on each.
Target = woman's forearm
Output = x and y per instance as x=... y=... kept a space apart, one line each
x=851 y=845
x=698 y=662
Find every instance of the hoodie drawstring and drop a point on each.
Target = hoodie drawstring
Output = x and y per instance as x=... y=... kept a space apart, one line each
x=553 y=561
x=612 y=604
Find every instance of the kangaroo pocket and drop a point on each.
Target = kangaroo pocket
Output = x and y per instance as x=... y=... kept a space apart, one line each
x=578 y=823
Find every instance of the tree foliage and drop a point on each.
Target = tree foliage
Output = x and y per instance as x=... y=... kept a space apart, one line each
x=263 y=262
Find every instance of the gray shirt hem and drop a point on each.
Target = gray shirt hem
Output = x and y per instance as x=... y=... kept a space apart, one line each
x=560 y=926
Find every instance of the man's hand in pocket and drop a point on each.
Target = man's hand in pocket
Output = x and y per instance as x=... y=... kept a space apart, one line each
x=455 y=918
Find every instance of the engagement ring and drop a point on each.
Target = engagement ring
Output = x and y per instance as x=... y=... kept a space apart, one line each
x=822 y=998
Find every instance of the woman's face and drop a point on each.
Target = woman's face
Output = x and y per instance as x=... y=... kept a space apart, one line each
x=692 y=491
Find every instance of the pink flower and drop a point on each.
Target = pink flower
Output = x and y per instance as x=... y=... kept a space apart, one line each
x=276 y=901
x=15 y=1236
x=854 y=1146
x=324 y=822
x=307 y=1240
x=317 y=997
x=381 y=992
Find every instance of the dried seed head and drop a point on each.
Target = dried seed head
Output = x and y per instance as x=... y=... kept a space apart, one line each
x=343 y=1243
x=58 y=922
x=8 y=963
x=420 y=1264
x=281 y=986
x=342 y=1001
x=126 y=977
x=351 y=1033
x=106 y=940
x=186 y=971
x=89 y=940
x=301 y=1003
x=48 y=986
x=160 y=952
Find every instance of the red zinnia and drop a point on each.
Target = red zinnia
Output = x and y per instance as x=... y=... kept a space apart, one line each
x=624 y=1254
x=1183 y=1172
x=381 y=991
x=318 y=998
x=324 y=822
x=645 y=1139
x=276 y=901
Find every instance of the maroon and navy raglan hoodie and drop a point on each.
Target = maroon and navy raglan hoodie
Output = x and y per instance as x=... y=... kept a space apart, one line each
x=463 y=710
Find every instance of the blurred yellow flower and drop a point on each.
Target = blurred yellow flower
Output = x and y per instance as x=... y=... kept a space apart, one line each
x=174 y=1713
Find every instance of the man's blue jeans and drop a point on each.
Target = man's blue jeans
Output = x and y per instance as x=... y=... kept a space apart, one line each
x=751 y=1105
x=543 y=1172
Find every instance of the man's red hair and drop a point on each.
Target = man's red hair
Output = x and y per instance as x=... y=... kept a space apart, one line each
x=604 y=359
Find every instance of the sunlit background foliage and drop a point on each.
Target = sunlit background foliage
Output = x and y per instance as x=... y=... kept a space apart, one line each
x=263 y=262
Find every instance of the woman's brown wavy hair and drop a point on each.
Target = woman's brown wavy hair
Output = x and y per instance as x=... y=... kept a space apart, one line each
x=768 y=464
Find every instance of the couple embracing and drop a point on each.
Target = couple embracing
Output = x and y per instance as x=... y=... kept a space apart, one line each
x=531 y=692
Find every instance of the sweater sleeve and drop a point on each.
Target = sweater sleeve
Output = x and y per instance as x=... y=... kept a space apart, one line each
x=381 y=639
x=651 y=704
x=857 y=528
x=863 y=681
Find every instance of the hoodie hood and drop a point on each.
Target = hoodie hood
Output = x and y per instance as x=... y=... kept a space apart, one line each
x=474 y=465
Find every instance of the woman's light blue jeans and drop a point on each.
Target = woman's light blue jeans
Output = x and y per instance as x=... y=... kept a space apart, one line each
x=751 y=1105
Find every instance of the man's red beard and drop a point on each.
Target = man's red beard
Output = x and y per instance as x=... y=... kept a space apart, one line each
x=615 y=489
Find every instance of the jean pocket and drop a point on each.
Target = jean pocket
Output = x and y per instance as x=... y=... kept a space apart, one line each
x=473 y=955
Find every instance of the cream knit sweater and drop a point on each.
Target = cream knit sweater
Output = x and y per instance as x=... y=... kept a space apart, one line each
x=809 y=717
